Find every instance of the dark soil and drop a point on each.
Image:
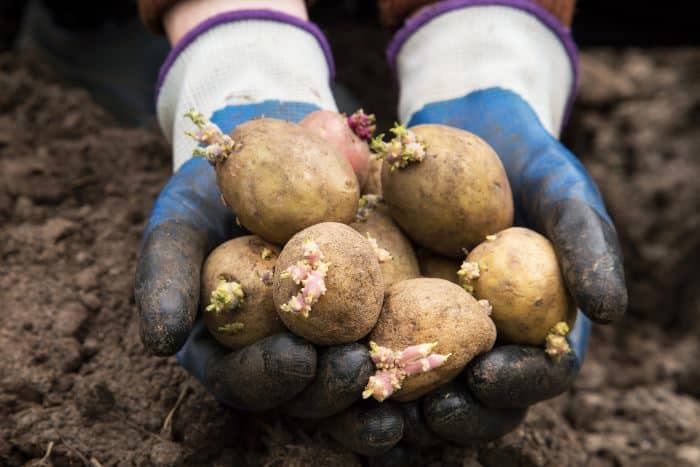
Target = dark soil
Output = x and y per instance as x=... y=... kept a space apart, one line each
x=74 y=379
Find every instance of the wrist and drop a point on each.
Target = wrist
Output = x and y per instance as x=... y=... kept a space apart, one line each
x=186 y=15
x=454 y=48
x=240 y=65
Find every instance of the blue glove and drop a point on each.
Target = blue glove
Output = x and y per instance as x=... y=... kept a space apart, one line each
x=505 y=71
x=235 y=67
x=188 y=221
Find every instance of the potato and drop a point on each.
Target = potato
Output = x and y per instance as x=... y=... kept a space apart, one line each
x=373 y=186
x=345 y=285
x=376 y=224
x=278 y=177
x=520 y=277
x=449 y=195
x=334 y=128
x=432 y=265
x=245 y=313
x=433 y=311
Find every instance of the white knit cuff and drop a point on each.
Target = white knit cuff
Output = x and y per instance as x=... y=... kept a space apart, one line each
x=463 y=46
x=242 y=57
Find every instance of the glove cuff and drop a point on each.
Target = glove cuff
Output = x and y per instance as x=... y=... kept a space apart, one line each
x=242 y=57
x=459 y=46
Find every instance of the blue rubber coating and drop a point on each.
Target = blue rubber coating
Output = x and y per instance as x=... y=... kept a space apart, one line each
x=541 y=171
x=578 y=336
x=229 y=117
x=191 y=196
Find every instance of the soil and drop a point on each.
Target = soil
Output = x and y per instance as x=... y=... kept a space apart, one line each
x=78 y=388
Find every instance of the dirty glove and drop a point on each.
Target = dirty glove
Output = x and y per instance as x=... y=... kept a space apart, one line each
x=234 y=67
x=506 y=71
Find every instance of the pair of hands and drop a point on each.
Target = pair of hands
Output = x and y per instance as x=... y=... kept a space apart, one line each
x=553 y=194
x=512 y=68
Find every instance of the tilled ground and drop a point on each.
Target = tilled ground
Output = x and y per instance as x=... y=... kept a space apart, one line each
x=74 y=379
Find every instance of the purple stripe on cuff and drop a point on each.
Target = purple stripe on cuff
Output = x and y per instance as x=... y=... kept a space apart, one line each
x=239 y=15
x=432 y=12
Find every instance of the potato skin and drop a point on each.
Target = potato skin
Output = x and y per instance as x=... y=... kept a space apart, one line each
x=283 y=178
x=240 y=259
x=520 y=277
x=382 y=227
x=455 y=197
x=432 y=265
x=424 y=310
x=334 y=128
x=355 y=290
x=373 y=186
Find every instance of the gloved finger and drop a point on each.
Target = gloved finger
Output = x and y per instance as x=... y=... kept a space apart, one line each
x=415 y=429
x=341 y=375
x=560 y=198
x=517 y=376
x=452 y=413
x=368 y=427
x=260 y=376
x=590 y=258
x=187 y=221
x=552 y=190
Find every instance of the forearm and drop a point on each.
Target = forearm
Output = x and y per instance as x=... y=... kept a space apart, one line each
x=392 y=12
x=176 y=17
x=184 y=15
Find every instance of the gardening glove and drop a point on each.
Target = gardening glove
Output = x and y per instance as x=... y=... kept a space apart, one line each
x=234 y=67
x=507 y=70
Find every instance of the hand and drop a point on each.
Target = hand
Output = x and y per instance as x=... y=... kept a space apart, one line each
x=505 y=73
x=286 y=76
x=187 y=221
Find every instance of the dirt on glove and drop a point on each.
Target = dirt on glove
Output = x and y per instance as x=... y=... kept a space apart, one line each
x=78 y=388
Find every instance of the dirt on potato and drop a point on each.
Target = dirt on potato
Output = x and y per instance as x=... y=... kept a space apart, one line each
x=75 y=191
x=433 y=311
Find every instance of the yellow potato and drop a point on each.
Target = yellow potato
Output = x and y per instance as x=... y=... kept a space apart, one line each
x=349 y=308
x=422 y=311
x=381 y=227
x=520 y=277
x=455 y=196
x=282 y=178
x=249 y=261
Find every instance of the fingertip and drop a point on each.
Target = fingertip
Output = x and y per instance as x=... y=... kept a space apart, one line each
x=515 y=377
x=591 y=259
x=166 y=286
x=165 y=325
x=369 y=428
x=263 y=375
x=453 y=414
